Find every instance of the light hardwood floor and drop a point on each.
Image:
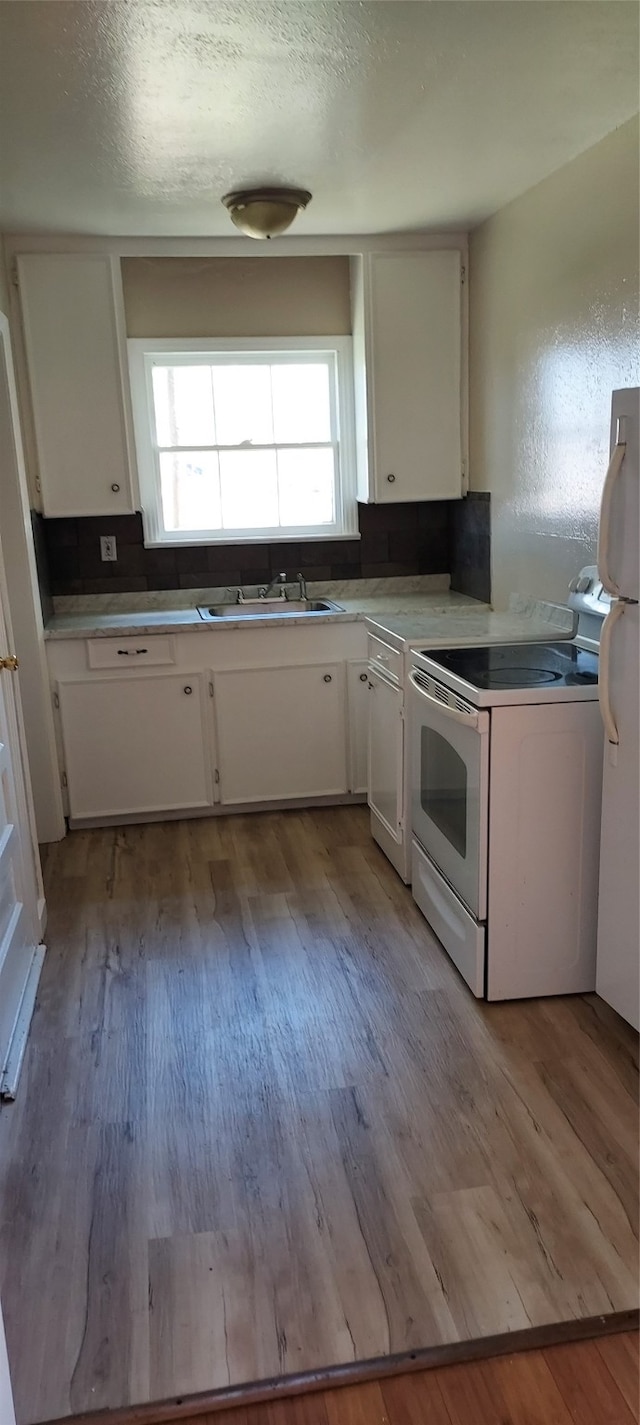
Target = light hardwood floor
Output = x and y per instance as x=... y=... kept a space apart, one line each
x=587 y=1383
x=264 y=1127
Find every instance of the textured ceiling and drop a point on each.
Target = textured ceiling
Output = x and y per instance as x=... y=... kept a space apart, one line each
x=135 y=116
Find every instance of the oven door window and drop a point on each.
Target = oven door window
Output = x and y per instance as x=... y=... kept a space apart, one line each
x=443 y=788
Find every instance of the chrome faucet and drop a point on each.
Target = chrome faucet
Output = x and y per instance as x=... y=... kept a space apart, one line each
x=303 y=586
x=279 y=580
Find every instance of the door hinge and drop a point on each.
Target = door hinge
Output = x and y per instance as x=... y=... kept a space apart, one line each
x=63 y=780
x=56 y=700
x=38 y=485
x=463 y=275
x=15 y=280
x=211 y=690
x=216 y=777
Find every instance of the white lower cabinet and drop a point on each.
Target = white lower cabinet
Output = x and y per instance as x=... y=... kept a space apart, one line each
x=280 y=733
x=136 y=743
x=358 y=689
x=386 y=754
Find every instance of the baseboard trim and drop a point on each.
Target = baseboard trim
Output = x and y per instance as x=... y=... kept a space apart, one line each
x=355 y=1372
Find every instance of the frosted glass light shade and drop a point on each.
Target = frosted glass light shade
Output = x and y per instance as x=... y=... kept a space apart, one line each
x=265 y=212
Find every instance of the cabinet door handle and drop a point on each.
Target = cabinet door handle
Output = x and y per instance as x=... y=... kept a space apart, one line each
x=327 y=677
x=363 y=678
x=115 y=488
x=131 y=652
x=391 y=479
x=188 y=689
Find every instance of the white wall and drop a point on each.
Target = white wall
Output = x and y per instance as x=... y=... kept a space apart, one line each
x=7 y=1416
x=553 y=328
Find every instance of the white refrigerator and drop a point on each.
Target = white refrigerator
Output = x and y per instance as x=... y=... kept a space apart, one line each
x=618 y=961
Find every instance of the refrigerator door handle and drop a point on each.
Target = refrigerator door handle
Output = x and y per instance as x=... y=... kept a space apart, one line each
x=615 y=464
x=606 y=710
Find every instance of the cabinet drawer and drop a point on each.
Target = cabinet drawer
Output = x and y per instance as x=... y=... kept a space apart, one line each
x=130 y=652
x=387 y=659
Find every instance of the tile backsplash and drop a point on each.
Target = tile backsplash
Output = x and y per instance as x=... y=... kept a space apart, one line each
x=470 y=537
x=395 y=540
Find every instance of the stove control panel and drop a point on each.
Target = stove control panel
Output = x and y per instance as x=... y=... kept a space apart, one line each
x=587 y=596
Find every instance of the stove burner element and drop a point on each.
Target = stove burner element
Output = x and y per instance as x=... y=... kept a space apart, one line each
x=520 y=667
x=527 y=677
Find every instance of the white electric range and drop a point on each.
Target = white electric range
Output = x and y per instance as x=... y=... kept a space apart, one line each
x=506 y=779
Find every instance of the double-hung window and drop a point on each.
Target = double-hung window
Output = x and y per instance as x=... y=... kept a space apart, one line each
x=244 y=439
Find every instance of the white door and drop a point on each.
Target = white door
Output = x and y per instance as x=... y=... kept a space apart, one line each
x=7 y=1413
x=358 y=698
x=618 y=559
x=618 y=959
x=136 y=744
x=21 y=895
x=386 y=753
x=280 y=733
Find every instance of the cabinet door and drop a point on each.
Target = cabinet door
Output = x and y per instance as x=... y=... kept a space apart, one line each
x=280 y=733
x=135 y=743
x=386 y=753
x=358 y=689
x=412 y=315
x=74 y=337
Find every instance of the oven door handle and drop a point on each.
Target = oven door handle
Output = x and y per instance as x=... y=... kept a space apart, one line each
x=468 y=719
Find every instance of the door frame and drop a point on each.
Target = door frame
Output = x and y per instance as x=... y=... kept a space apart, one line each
x=22 y=603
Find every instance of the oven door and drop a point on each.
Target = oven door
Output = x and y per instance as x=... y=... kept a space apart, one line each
x=450 y=786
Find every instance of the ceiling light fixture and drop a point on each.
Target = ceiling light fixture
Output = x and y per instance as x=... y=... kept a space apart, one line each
x=265 y=212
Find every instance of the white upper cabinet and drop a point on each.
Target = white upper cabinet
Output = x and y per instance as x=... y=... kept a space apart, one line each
x=76 y=358
x=410 y=406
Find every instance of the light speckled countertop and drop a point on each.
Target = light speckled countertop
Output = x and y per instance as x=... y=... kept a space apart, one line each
x=403 y=611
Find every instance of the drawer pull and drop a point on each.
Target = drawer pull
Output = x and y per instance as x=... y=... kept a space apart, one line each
x=327 y=677
x=188 y=689
x=131 y=652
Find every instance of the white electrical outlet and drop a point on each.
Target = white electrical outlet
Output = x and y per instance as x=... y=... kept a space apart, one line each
x=108 y=551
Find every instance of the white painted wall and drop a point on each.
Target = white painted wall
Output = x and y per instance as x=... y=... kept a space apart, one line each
x=553 y=328
x=7 y=1416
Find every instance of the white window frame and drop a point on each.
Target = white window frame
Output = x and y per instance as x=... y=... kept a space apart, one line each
x=142 y=353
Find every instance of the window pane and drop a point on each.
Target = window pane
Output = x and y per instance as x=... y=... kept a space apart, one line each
x=301 y=406
x=242 y=396
x=307 y=482
x=190 y=485
x=183 y=401
x=249 y=481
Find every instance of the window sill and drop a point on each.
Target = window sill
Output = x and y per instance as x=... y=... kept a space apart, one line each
x=251 y=539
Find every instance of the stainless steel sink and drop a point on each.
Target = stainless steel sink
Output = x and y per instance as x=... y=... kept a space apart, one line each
x=268 y=608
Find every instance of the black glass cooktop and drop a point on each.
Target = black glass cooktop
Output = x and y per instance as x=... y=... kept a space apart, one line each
x=519 y=665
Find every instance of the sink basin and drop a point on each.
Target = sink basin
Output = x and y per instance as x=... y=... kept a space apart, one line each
x=267 y=608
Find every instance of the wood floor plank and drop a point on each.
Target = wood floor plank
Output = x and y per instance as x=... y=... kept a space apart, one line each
x=523 y=1390
x=587 y=1386
x=414 y=1400
x=467 y=1395
x=620 y=1354
x=263 y=1127
x=356 y=1405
